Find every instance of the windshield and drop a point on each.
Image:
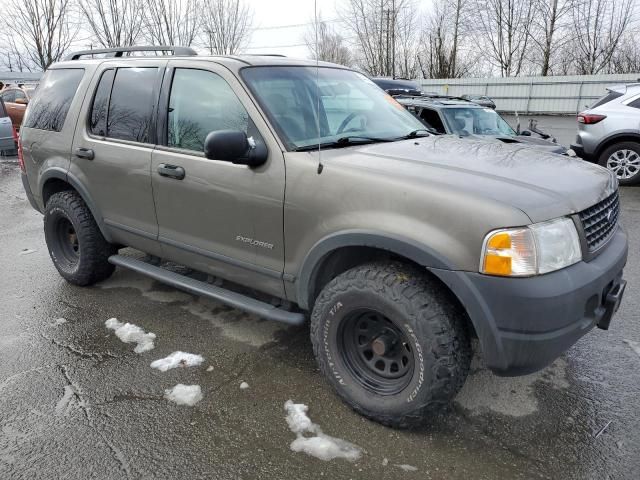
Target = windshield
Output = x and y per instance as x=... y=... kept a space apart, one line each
x=350 y=105
x=476 y=121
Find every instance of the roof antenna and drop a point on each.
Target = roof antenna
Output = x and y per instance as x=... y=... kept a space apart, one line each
x=315 y=13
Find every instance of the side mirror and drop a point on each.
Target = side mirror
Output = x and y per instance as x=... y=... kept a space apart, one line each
x=525 y=133
x=234 y=146
x=21 y=101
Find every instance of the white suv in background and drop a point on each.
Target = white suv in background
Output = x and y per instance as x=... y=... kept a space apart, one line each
x=609 y=133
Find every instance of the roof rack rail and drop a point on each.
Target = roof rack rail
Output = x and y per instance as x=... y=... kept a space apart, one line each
x=121 y=51
x=263 y=55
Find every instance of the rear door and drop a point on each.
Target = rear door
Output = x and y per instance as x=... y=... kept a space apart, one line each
x=217 y=217
x=111 y=153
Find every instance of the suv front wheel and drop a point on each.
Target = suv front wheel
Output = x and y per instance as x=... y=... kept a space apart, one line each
x=391 y=342
x=623 y=159
x=79 y=251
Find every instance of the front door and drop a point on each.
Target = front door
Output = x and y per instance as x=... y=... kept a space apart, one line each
x=111 y=153
x=217 y=217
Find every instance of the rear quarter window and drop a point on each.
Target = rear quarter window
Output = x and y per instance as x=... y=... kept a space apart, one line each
x=606 y=99
x=48 y=109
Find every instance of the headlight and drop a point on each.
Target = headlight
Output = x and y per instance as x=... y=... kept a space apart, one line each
x=526 y=251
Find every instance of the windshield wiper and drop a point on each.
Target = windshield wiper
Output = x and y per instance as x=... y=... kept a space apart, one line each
x=346 y=141
x=421 y=132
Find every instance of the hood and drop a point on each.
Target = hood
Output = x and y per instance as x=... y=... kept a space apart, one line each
x=533 y=142
x=542 y=185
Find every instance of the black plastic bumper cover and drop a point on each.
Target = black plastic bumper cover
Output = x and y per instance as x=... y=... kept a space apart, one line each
x=524 y=324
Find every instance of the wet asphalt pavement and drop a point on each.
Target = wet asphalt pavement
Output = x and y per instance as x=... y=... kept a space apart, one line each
x=77 y=403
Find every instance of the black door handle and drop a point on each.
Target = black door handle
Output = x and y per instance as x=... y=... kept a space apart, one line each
x=172 y=171
x=84 y=153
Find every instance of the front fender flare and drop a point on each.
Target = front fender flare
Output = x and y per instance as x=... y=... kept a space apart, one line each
x=405 y=247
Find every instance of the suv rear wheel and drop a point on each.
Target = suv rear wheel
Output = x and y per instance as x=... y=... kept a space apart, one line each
x=623 y=159
x=75 y=243
x=391 y=342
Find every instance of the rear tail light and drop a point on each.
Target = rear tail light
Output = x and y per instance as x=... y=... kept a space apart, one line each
x=19 y=143
x=590 y=118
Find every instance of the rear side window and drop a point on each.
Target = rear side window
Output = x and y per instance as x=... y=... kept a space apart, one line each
x=3 y=112
x=98 y=122
x=131 y=104
x=48 y=109
x=606 y=99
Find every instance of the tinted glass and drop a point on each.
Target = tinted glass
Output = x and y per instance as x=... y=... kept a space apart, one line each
x=606 y=99
x=20 y=95
x=131 y=104
x=3 y=112
x=202 y=102
x=9 y=96
x=98 y=122
x=431 y=119
x=349 y=104
x=48 y=109
x=635 y=103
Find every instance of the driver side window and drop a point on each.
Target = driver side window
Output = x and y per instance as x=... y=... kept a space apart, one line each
x=202 y=102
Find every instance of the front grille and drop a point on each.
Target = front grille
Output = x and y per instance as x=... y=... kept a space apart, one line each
x=599 y=221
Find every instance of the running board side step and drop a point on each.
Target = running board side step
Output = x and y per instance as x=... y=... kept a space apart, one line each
x=204 y=289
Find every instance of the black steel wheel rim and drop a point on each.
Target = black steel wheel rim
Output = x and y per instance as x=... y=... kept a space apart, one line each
x=376 y=352
x=68 y=246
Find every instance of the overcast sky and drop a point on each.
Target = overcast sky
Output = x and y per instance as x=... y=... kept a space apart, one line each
x=280 y=25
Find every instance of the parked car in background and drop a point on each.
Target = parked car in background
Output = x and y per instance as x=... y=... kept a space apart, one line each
x=452 y=115
x=8 y=138
x=16 y=99
x=395 y=86
x=609 y=133
x=482 y=100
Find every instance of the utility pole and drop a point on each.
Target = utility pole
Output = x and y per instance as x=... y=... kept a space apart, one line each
x=393 y=39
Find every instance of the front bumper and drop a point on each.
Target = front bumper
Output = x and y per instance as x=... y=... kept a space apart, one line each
x=524 y=324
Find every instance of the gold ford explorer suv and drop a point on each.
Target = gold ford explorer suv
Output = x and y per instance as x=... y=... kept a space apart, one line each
x=311 y=187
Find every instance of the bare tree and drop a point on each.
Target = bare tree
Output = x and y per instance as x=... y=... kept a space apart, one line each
x=330 y=46
x=598 y=28
x=502 y=26
x=44 y=29
x=172 y=22
x=383 y=30
x=226 y=25
x=549 y=30
x=626 y=58
x=442 y=38
x=113 y=23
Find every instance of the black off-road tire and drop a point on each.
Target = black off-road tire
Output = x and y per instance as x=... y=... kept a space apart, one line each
x=626 y=157
x=76 y=245
x=433 y=324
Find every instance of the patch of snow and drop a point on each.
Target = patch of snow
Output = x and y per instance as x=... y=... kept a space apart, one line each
x=634 y=345
x=66 y=402
x=184 y=394
x=385 y=462
x=129 y=333
x=26 y=251
x=319 y=445
x=407 y=468
x=244 y=386
x=210 y=368
x=59 y=321
x=177 y=359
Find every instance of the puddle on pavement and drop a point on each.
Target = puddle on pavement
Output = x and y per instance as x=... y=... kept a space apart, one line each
x=512 y=396
x=235 y=325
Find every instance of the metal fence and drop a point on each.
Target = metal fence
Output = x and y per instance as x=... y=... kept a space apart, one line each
x=19 y=77
x=533 y=95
